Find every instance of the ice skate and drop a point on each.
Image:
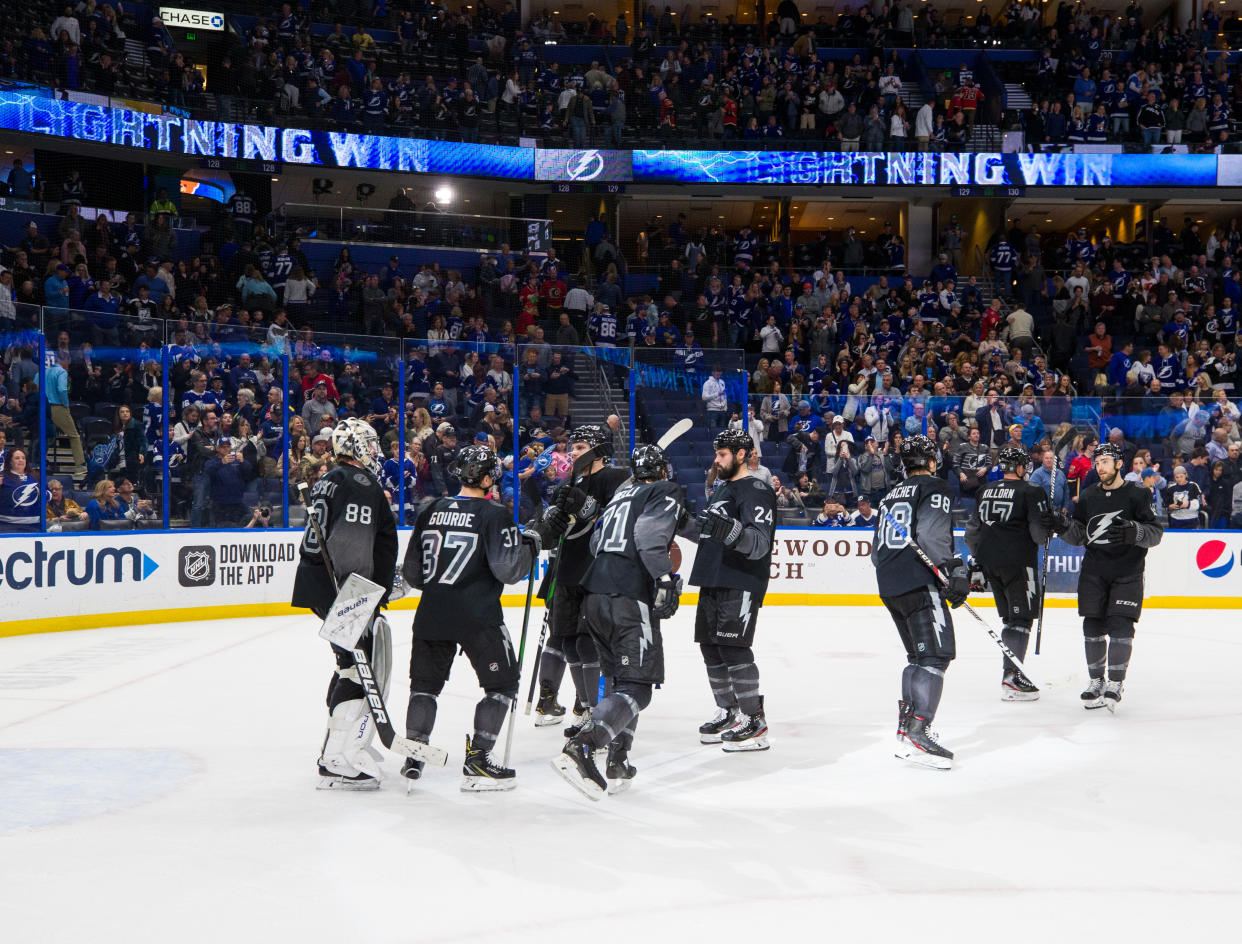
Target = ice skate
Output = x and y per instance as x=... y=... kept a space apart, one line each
x=922 y=748
x=357 y=782
x=749 y=734
x=1112 y=695
x=619 y=772
x=576 y=764
x=1093 y=697
x=482 y=774
x=547 y=710
x=1017 y=687
x=903 y=719
x=710 y=731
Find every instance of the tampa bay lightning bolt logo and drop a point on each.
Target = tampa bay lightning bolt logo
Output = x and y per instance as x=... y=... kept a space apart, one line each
x=26 y=496
x=584 y=165
x=1097 y=527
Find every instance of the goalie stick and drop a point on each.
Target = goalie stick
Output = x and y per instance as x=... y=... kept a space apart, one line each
x=366 y=677
x=902 y=531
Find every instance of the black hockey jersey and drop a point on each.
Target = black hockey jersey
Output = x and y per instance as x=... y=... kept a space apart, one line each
x=919 y=508
x=746 y=565
x=462 y=553
x=1005 y=532
x=576 y=552
x=632 y=538
x=1096 y=510
x=360 y=531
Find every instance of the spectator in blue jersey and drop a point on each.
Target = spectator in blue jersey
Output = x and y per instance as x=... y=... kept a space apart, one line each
x=19 y=494
x=104 y=308
x=690 y=353
x=531 y=381
x=805 y=420
x=103 y=505
x=437 y=406
x=56 y=288
x=1119 y=365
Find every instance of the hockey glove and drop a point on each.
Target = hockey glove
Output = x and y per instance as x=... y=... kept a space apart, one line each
x=571 y=500
x=1054 y=520
x=531 y=537
x=958 y=587
x=667 y=596
x=717 y=525
x=555 y=523
x=978 y=579
x=1124 y=532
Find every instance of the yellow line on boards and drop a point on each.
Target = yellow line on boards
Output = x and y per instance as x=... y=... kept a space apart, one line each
x=60 y=624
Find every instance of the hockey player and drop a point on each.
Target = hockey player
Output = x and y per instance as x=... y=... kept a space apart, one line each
x=629 y=587
x=1115 y=522
x=463 y=551
x=1011 y=521
x=569 y=643
x=920 y=509
x=731 y=569
x=361 y=537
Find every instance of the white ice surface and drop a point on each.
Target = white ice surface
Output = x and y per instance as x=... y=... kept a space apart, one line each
x=157 y=784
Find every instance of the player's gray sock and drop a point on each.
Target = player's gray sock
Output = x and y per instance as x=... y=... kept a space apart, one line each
x=1118 y=657
x=722 y=687
x=925 y=690
x=420 y=716
x=612 y=717
x=745 y=682
x=552 y=667
x=907 y=683
x=576 y=674
x=1016 y=638
x=590 y=683
x=489 y=717
x=1097 y=655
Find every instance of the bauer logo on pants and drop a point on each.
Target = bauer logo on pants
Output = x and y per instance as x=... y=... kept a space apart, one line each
x=196 y=566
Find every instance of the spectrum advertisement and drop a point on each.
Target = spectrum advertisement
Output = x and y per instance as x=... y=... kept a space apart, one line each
x=34 y=113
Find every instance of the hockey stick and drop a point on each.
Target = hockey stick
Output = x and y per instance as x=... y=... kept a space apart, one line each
x=675 y=432
x=902 y=531
x=375 y=698
x=576 y=474
x=1043 y=577
x=530 y=589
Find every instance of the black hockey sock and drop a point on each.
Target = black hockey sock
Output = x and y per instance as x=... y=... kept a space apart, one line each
x=552 y=667
x=1016 y=638
x=589 y=654
x=618 y=712
x=925 y=690
x=1095 y=643
x=1119 y=657
x=489 y=717
x=907 y=683
x=420 y=716
x=745 y=681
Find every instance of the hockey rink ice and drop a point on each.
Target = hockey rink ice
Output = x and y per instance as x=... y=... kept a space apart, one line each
x=157 y=783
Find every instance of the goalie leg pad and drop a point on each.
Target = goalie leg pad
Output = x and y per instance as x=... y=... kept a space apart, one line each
x=381 y=654
x=350 y=730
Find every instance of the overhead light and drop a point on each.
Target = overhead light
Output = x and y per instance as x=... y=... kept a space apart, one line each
x=275 y=179
x=444 y=194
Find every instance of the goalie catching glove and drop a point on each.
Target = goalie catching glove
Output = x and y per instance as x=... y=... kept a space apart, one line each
x=717 y=525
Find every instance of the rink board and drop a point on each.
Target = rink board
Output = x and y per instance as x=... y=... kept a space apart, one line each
x=58 y=582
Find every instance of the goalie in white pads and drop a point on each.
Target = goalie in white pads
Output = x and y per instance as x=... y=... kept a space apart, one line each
x=361 y=537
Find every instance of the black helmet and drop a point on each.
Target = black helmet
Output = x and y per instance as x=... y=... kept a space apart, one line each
x=733 y=440
x=648 y=464
x=1011 y=457
x=594 y=435
x=473 y=464
x=917 y=452
x=1110 y=449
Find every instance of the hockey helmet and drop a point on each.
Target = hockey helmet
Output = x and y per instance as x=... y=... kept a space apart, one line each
x=1110 y=449
x=356 y=440
x=733 y=440
x=917 y=452
x=474 y=463
x=595 y=436
x=1011 y=457
x=648 y=464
